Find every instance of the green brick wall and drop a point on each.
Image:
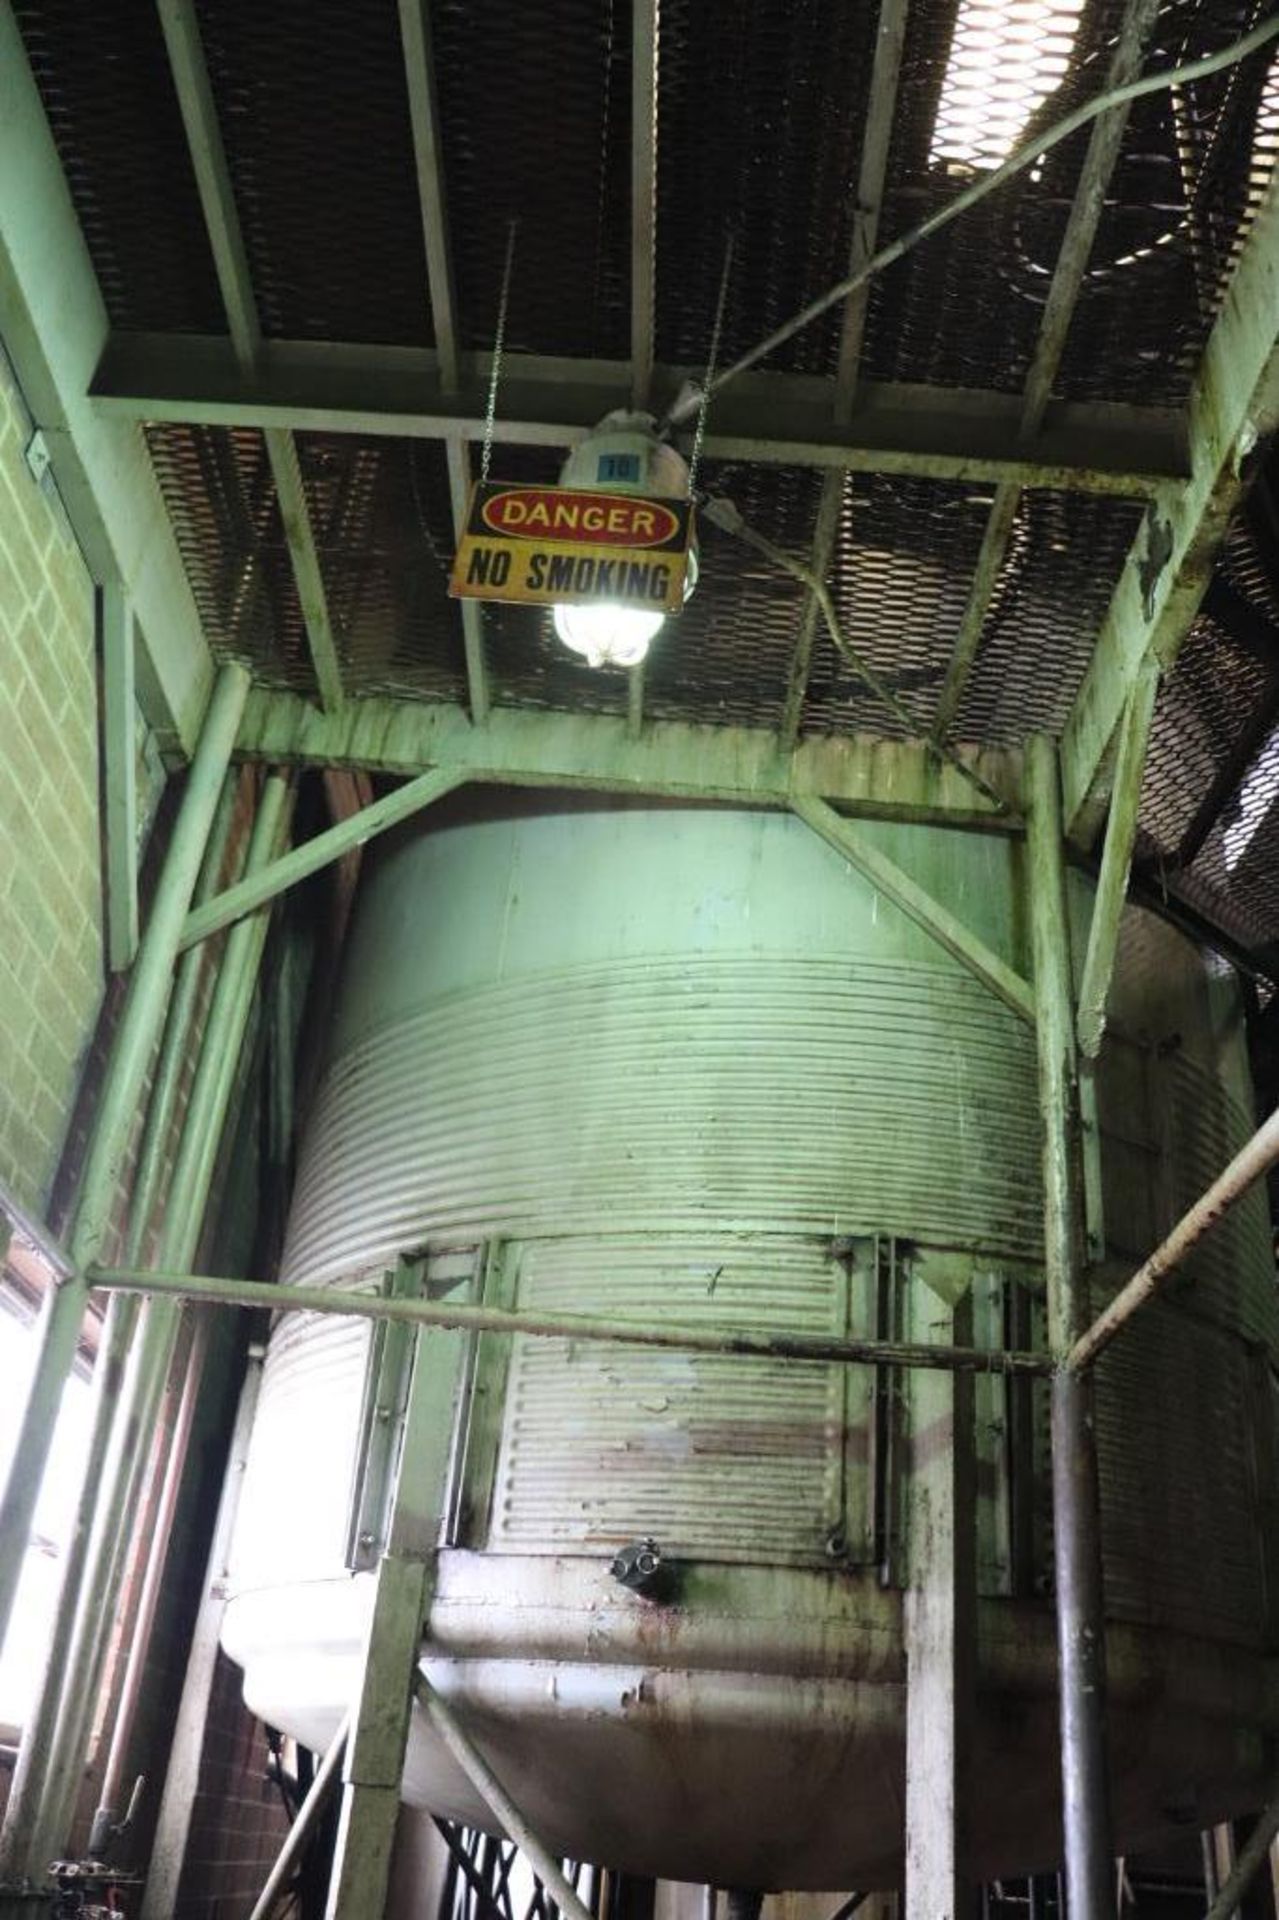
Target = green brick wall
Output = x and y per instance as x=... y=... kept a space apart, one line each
x=51 y=966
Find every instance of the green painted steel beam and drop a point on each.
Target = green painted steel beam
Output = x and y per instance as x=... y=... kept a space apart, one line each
x=224 y=909
x=54 y=328
x=113 y=1120
x=222 y=221
x=1116 y=860
x=927 y=912
x=62 y=1726
x=120 y=762
x=939 y=433
x=1234 y=403
x=741 y=765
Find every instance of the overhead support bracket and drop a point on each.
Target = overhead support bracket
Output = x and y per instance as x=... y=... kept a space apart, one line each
x=217 y=200
x=927 y=912
x=301 y=862
x=1116 y=860
x=1233 y=405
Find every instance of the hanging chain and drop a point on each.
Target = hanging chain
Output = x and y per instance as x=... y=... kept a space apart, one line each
x=495 y=372
x=699 y=436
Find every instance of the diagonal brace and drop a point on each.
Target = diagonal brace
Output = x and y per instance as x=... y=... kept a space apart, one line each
x=321 y=851
x=1116 y=859
x=897 y=885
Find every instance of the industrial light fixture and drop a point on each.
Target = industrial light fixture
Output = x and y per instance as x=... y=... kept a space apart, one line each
x=1006 y=58
x=622 y=455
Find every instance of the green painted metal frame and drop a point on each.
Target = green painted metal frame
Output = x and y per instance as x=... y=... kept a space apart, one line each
x=54 y=327
x=117 y=1335
x=923 y=908
x=373 y=1764
x=1234 y=403
x=1116 y=860
x=939 y=433
x=597 y=753
x=120 y=783
x=217 y=200
x=139 y=1027
x=257 y=888
x=51 y=1757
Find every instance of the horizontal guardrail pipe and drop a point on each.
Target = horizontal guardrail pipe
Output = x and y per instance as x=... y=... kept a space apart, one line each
x=1247 y=1167
x=763 y=1343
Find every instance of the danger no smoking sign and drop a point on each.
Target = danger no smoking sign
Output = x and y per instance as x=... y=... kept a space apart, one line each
x=549 y=546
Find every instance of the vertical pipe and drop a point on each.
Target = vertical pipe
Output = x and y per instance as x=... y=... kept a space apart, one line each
x=38 y=1815
x=117 y=1104
x=168 y=1850
x=157 y=1553
x=1081 y=1642
x=108 y=1373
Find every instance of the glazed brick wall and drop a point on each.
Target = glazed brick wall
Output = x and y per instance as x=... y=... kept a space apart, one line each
x=51 y=972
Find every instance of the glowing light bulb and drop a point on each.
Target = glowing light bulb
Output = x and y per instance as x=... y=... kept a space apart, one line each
x=608 y=635
x=623 y=455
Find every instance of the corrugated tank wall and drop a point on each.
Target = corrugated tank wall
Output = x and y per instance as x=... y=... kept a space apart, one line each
x=686 y=1062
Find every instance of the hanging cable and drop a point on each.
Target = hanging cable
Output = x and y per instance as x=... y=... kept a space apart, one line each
x=499 y=341
x=708 y=384
x=691 y=399
x=724 y=514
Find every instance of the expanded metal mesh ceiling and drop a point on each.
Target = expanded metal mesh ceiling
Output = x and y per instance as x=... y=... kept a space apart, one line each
x=761 y=116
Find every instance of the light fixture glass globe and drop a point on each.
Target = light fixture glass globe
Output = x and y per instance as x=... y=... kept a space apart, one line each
x=608 y=635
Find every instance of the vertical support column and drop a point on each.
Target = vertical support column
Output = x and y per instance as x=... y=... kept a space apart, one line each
x=44 y=1783
x=1081 y=1644
x=375 y=1753
x=405 y=1582
x=938 y=1616
x=117 y=1105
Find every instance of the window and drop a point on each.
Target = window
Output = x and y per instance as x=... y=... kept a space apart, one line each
x=22 y=1655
